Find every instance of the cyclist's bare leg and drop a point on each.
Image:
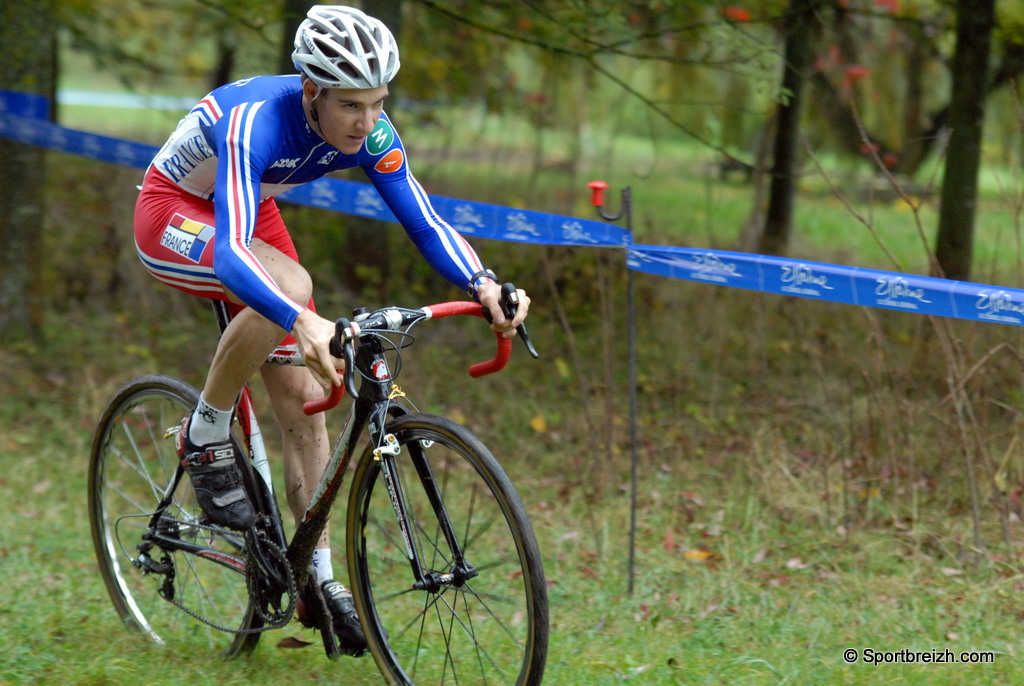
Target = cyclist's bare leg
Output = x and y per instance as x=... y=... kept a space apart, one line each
x=250 y=337
x=306 y=452
x=305 y=442
x=243 y=350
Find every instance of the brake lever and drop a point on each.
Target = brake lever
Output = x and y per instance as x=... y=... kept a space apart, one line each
x=510 y=304
x=340 y=347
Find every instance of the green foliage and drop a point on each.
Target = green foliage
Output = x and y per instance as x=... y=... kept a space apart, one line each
x=802 y=469
x=682 y=69
x=171 y=44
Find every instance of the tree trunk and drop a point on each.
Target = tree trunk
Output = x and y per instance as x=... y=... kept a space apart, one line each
x=294 y=12
x=227 y=51
x=799 y=30
x=368 y=242
x=913 y=116
x=955 y=241
x=389 y=12
x=29 y=38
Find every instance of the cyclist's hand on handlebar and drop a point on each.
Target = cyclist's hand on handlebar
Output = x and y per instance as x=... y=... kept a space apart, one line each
x=313 y=334
x=489 y=295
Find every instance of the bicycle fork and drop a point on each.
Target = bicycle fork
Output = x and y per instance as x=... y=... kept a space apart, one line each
x=460 y=569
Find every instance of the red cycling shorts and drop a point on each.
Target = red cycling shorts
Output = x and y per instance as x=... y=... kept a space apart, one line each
x=174 y=235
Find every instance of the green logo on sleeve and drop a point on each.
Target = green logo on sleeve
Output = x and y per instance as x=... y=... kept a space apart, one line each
x=380 y=138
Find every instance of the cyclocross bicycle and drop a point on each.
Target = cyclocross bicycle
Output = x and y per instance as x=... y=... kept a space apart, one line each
x=443 y=563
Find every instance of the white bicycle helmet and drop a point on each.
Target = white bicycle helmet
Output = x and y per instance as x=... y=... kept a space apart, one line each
x=341 y=47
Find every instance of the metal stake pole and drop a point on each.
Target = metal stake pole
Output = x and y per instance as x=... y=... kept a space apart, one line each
x=597 y=199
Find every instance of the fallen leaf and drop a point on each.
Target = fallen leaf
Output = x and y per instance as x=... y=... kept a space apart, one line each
x=290 y=642
x=698 y=554
x=709 y=609
x=539 y=424
x=693 y=498
x=796 y=563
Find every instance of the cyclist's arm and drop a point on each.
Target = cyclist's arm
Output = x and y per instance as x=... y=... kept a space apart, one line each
x=242 y=155
x=443 y=247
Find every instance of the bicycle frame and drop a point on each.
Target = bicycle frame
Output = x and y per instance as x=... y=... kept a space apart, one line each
x=370 y=412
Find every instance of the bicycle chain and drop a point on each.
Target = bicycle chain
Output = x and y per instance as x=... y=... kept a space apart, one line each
x=274 y=620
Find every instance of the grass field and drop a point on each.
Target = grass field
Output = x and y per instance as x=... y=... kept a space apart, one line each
x=737 y=596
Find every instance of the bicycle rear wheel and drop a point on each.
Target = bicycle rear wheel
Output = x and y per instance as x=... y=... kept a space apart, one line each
x=490 y=628
x=132 y=466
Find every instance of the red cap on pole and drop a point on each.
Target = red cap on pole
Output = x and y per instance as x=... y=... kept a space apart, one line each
x=597 y=189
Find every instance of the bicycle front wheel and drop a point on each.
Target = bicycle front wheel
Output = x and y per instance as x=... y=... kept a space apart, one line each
x=478 y=611
x=132 y=468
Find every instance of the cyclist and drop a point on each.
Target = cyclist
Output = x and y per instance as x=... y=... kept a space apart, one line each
x=206 y=223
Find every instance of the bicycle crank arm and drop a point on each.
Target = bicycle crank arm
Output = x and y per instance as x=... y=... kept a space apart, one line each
x=320 y=619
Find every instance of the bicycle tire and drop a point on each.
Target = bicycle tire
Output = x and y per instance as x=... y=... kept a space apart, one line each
x=132 y=464
x=492 y=628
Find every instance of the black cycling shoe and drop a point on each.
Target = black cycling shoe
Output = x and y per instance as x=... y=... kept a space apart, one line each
x=347 y=628
x=216 y=480
x=346 y=622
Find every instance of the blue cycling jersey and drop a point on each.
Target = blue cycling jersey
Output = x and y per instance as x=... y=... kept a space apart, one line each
x=249 y=140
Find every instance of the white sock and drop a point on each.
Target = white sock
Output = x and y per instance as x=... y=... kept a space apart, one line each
x=322 y=565
x=209 y=425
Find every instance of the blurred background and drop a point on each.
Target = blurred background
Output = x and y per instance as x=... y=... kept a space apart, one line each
x=798 y=459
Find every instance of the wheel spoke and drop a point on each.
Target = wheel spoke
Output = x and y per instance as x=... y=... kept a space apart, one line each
x=138 y=461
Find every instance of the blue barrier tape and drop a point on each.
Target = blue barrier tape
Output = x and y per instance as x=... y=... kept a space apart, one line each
x=24 y=105
x=22 y=118
x=470 y=218
x=48 y=135
x=834 y=283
